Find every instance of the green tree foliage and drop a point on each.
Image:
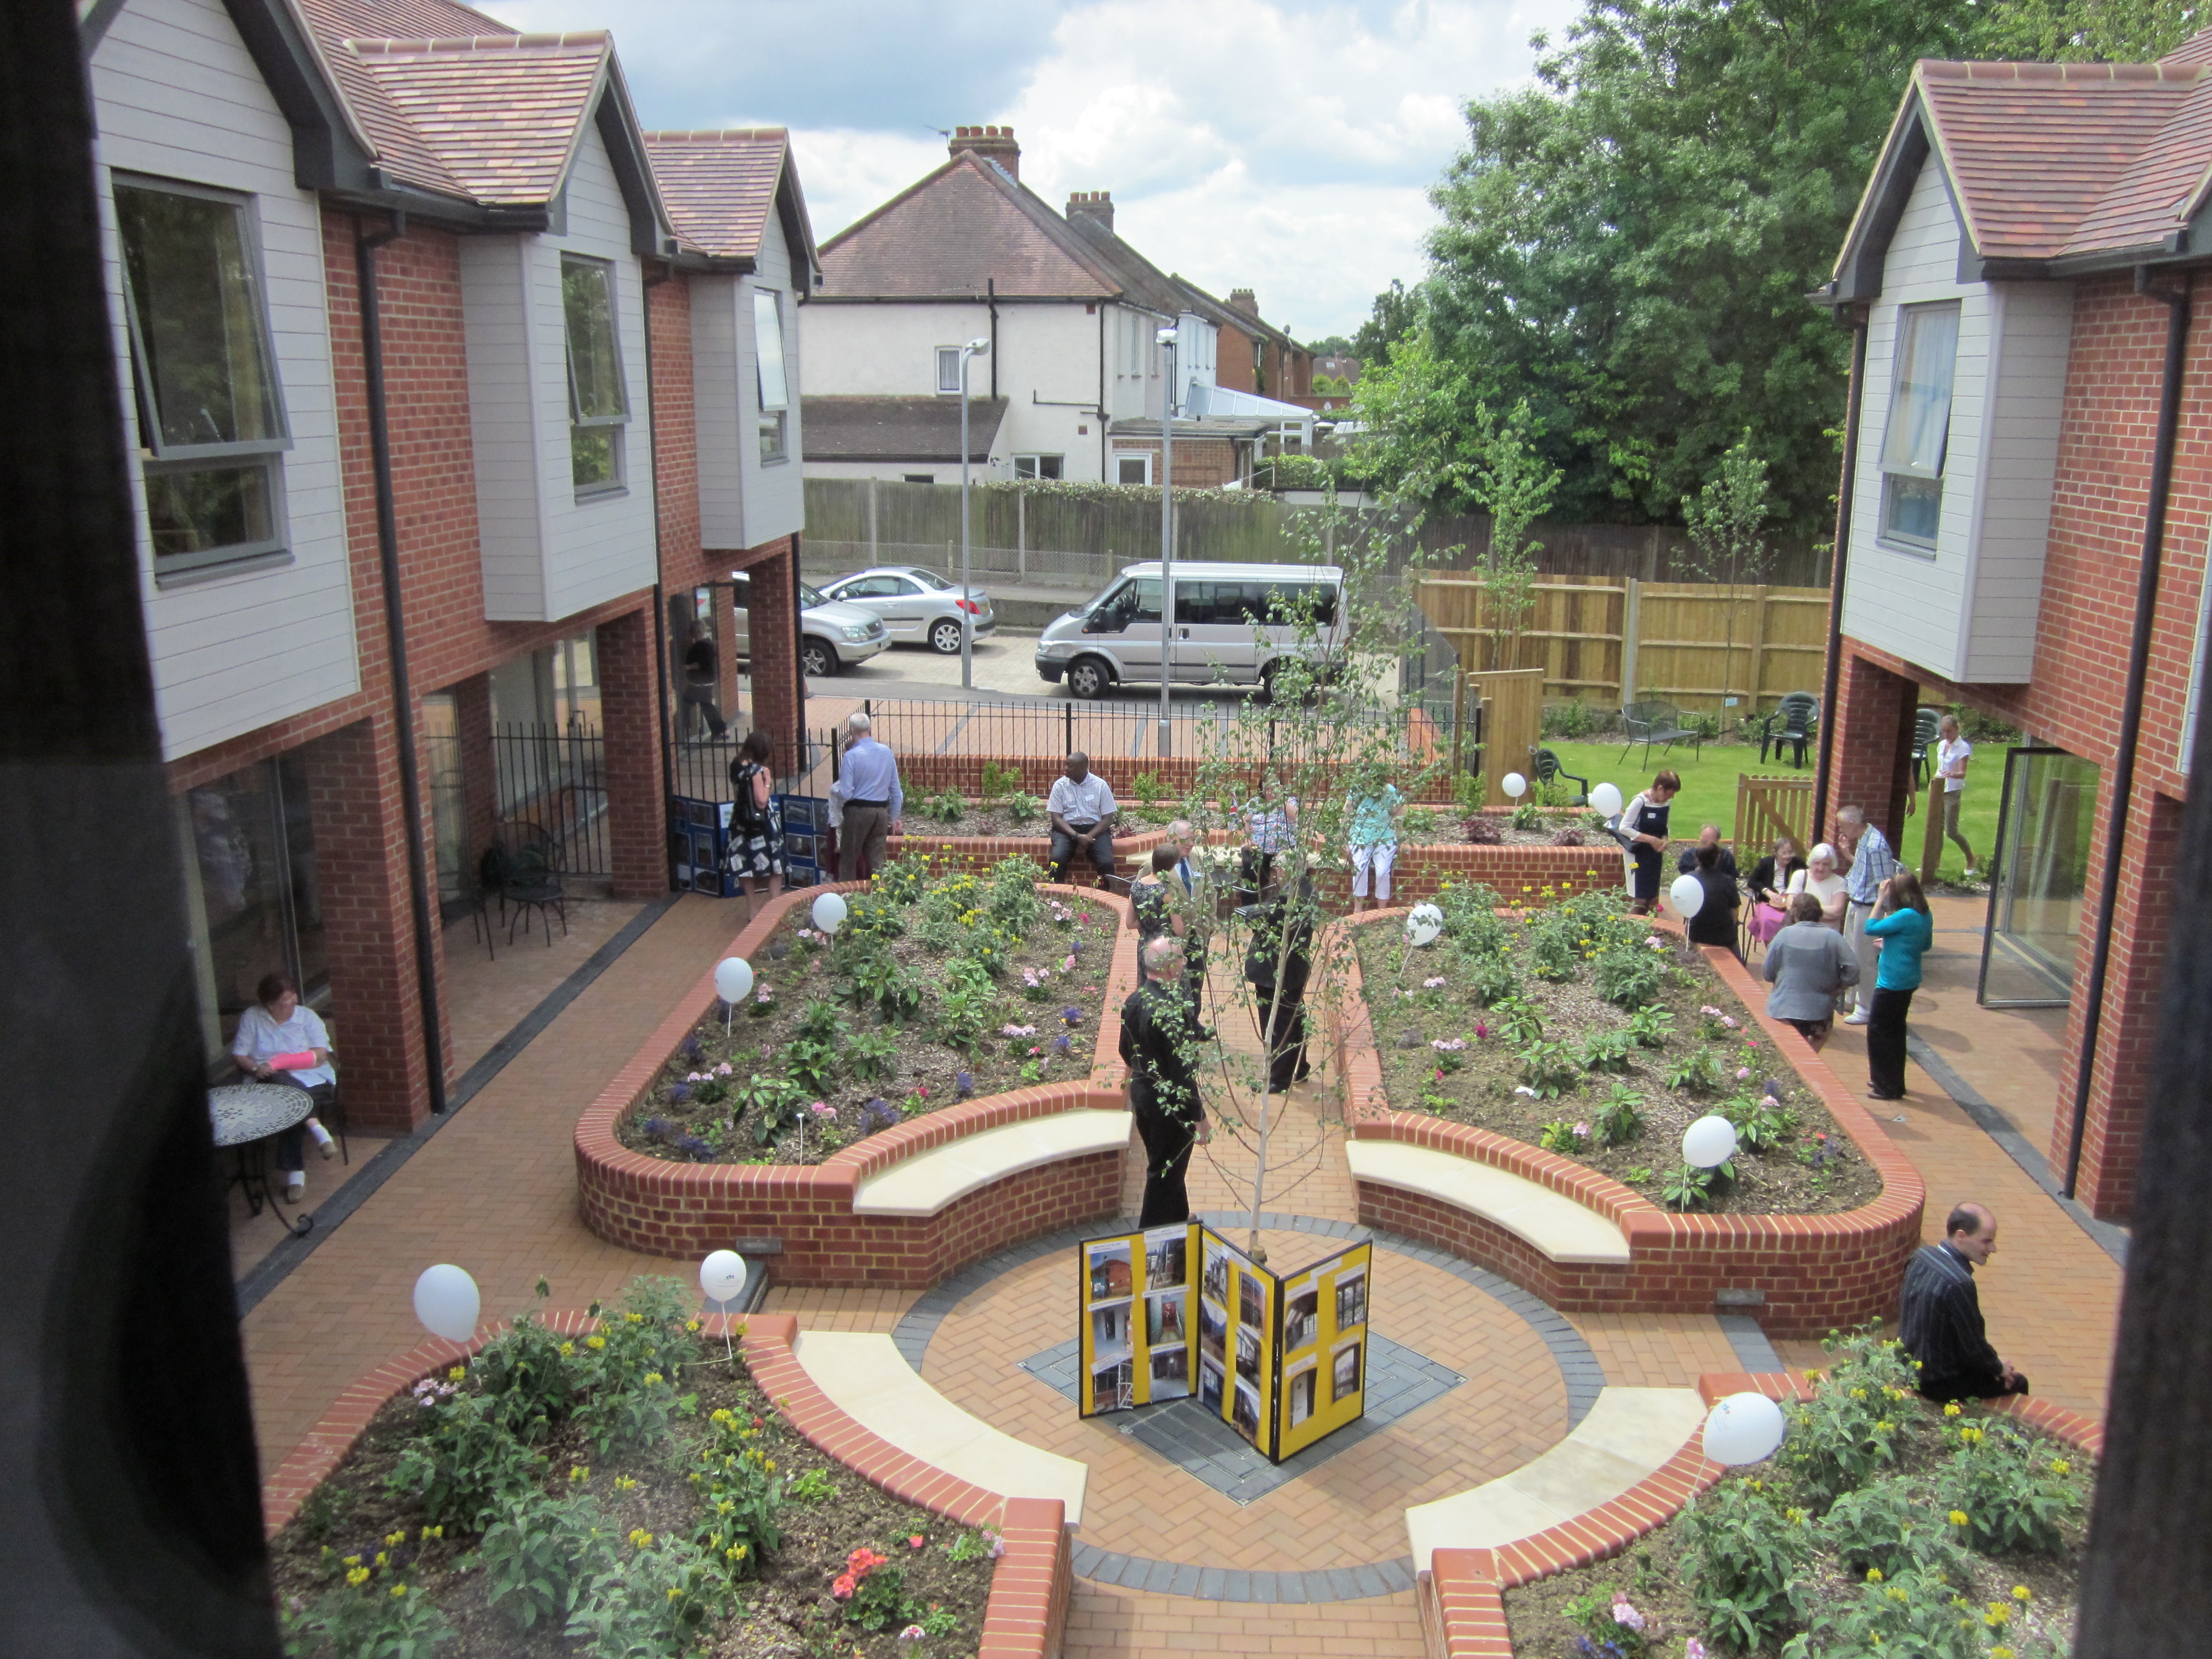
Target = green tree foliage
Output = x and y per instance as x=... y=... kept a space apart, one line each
x=1726 y=522
x=2089 y=31
x=1397 y=313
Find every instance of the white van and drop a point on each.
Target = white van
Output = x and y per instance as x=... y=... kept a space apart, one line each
x=1224 y=617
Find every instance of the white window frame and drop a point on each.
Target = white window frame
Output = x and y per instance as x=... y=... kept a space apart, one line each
x=1897 y=463
x=1032 y=466
x=617 y=424
x=948 y=371
x=773 y=389
x=161 y=457
x=2197 y=665
x=1143 y=457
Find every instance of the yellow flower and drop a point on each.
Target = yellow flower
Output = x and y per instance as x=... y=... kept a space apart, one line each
x=595 y=1343
x=357 y=1576
x=735 y=1553
x=382 y=1559
x=580 y=1473
x=692 y=1325
x=639 y=1538
x=399 y=1590
x=457 y=1373
x=1999 y=1614
x=568 y=1350
x=2021 y=1593
x=1895 y=1594
x=434 y=1532
x=395 y=1538
x=654 y=1377
x=673 y=1592
x=353 y=1560
x=1874 y=1575
x=2000 y=1653
x=2060 y=1465
x=1958 y=1517
x=624 y=1483
x=632 y=1319
x=1951 y=1410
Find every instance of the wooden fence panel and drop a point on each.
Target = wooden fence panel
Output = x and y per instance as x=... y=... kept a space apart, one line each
x=1767 y=807
x=1512 y=725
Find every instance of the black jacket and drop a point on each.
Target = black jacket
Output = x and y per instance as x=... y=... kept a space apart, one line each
x=1159 y=1044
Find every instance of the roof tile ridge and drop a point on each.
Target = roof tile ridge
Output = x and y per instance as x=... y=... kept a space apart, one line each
x=458 y=45
x=703 y=135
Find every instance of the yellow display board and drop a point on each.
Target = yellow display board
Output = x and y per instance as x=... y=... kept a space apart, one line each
x=1173 y=1311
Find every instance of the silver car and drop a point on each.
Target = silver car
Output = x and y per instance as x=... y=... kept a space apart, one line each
x=916 y=604
x=831 y=636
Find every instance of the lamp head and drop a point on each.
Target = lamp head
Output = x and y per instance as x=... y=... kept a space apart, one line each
x=979 y=347
x=1167 y=337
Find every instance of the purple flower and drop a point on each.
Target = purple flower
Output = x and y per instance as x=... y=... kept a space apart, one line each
x=1742 y=1073
x=963 y=1086
x=656 y=1126
x=1071 y=1015
x=691 y=1049
x=878 y=1114
x=1064 y=1045
x=1624 y=1615
x=692 y=1148
x=678 y=1093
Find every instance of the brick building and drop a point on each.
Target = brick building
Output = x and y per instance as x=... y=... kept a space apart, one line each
x=2031 y=461
x=396 y=290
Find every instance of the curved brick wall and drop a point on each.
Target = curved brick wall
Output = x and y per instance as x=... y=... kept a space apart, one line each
x=1818 y=1272
x=663 y=1208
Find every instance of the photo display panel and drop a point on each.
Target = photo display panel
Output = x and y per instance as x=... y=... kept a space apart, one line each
x=1137 y=1310
x=1324 y=1357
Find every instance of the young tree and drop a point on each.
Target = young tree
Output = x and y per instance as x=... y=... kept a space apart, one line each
x=1516 y=483
x=1726 y=521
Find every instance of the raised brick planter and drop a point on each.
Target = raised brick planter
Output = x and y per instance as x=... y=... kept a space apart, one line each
x=1460 y=1593
x=1028 y=1607
x=1816 y=1273
x=662 y=1208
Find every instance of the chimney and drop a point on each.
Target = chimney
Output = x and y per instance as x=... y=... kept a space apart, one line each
x=1240 y=299
x=990 y=144
x=1095 y=205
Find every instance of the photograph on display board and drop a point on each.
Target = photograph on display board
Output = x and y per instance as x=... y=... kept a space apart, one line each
x=1209 y=1386
x=1251 y=1298
x=1110 y=1333
x=1115 y=1387
x=1216 y=1283
x=1352 y=1300
x=1213 y=1331
x=1344 y=1375
x=1170 y=1375
x=1244 y=1414
x=1165 y=1325
x=1167 y=1251
x=1107 y=1270
x=1301 y=1388
x=1301 y=1318
x=1247 y=1353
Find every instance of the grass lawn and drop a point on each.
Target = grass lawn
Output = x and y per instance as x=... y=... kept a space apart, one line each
x=1709 y=790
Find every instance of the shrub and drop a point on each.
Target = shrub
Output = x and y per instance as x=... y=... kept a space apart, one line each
x=967 y=1007
x=899 y=882
x=873 y=916
x=369 y=1614
x=1760 y=1126
x=945 y=806
x=1469 y=790
x=997 y=782
x=1481 y=829
x=1567 y=835
x=1697 y=1073
x=1916 y=1612
x=871 y=1056
x=653 y=1605
x=1886 y=1526
x=524 y=1379
x=1570 y=719
x=1843 y=1437
x=777 y=1099
x=878 y=978
x=1630 y=978
x=1518 y=1022
x=1607 y=1051
x=1493 y=982
x=2013 y=1489
x=1420 y=823
x=1024 y=808
x=463 y=1464
x=1570 y=1140
x=1743 y=1556
x=1691 y=1188
x=538 y=1554
x=1528 y=815
x=1651 y=1027
x=1549 y=1068
x=741 y=1497
x=1620 y=1120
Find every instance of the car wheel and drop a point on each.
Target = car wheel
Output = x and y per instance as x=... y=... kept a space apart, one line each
x=1268 y=684
x=944 y=636
x=1089 y=679
x=817 y=659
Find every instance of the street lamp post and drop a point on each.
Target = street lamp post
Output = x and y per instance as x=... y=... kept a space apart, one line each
x=1166 y=338
x=973 y=349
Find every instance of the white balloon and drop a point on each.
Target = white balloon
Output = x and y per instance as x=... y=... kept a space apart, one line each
x=1605 y=799
x=1423 y=923
x=829 y=912
x=1514 y=785
x=1708 y=1142
x=733 y=978
x=1744 y=1428
x=1689 y=897
x=447 y=1302
x=722 y=1276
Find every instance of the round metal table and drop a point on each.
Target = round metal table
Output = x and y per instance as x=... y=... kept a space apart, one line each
x=245 y=1115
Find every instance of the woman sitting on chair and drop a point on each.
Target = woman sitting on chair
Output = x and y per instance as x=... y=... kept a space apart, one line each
x=282 y=1041
x=1770 y=890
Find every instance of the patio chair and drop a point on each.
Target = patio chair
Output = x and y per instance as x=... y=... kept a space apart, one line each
x=522 y=866
x=1548 y=770
x=1790 y=724
x=1927 y=727
x=1648 y=723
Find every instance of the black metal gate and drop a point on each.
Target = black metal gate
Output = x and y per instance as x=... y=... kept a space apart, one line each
x=553 y=779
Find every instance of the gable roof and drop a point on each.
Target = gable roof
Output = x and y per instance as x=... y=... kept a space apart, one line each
x=1228 y=316
x=2053 y=168
x=959 y=229
x=923 y=428
x=720 y=188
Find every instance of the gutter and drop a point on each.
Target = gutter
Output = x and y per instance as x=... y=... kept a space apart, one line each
x=1838 y=560
x=395 y=630
x=2176 y=302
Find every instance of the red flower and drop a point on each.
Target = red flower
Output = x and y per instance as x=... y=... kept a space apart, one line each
x=916 y=1541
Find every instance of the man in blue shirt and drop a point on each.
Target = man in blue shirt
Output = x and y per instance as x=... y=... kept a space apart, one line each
x=1867 y=862
x=873 y=804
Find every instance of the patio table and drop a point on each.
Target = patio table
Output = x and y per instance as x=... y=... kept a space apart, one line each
x=245 y=1115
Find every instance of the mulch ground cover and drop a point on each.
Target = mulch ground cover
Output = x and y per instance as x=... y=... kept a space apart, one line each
x=1450 y=1049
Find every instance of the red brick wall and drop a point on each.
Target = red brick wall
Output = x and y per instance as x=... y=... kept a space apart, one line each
x=629 y=712
x=1200 y=463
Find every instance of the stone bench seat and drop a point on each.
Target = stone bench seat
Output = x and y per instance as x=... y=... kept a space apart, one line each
x=867 y=1378
x=925 y=1183
x=1553 y=1223
x=1628 y=1436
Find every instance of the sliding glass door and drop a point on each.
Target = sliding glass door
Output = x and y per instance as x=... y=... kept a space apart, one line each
x=2039 y=879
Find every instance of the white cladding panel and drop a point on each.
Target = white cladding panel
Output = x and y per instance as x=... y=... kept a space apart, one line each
x=177 y=96
x=546 y=554
x=718 y=411
x=774 y=503
x=2033 y=337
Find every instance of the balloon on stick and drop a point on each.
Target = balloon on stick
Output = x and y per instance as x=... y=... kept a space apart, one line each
x=1423 y=923
x=829 y=912
x=1709 y=1143
x=1605 y=800
x=1688 y=895
x=722 y=1277
x=733 y=978
x=1743 y=1428
x=447 y=1302
x=1514 y=785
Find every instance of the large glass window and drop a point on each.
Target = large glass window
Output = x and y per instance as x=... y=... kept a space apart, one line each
x=774 y=384
x=2039 y=879
x=1914 y=445
x=209 y=414
x=599 y=403
x=1040 y=467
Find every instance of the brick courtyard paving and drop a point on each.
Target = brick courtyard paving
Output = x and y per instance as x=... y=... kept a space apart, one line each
x=494 y=1191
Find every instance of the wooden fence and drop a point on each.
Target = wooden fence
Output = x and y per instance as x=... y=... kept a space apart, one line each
x=1766 y=808
x=1611 y=642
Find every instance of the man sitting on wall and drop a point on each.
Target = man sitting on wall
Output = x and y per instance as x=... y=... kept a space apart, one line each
x=1940 y=1322
x=1082 y=810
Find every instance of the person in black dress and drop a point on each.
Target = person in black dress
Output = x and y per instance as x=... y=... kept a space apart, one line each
x=1159 y=1046
x=1714 y=922
x=1645 y=821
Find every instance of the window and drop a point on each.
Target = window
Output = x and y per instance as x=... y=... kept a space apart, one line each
x=948 y=369
x=918 y=477
x=774 y=384
x=599 y=403
x=930 y=579
x=1913 y=446
x=1038 y=466
x=1132 y=469
x=209 y=411
x=874 y=587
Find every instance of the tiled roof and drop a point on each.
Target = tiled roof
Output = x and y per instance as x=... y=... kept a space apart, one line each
x=2162 y=188
x=898 y=428
x=2197 y=48
x=950 y=232
x=1233 y=317
x=720 y=187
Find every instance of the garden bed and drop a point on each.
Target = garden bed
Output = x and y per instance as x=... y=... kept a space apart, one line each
x=1503 y=1024
x=1023 y=818
x=604 y=1518
x=943 y=986
x=1847 y=1529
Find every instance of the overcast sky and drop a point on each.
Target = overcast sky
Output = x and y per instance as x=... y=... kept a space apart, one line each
x=1281 y=145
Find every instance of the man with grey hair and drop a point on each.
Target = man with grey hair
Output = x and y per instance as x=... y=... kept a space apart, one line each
x=1199 y=893
x=867 y=790
x=1159 y=1044
x=1863 y=854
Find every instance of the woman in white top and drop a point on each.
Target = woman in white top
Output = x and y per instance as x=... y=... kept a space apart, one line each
x=1951 y=755
x=280 y=1027
x=1819 y=877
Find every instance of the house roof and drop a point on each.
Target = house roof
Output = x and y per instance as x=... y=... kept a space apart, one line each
x=2052 y=166
x=924 y=428
x=963 y=226
x=1224 y=315
x=720 y=188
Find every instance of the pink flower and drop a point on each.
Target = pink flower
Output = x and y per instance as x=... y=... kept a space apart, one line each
x=1742 y=1072
x=1436 y=984
x=723 y=1070
x=994 y=1545
x=1582 y=1132
x=912 y=1636
x=695 y=1077
x=1729 y=1020
x=916 y=1541
x=1481 y=1031
x=1694 y=1649
x=844 y=1587
x=1624 y=1615
x=1068 y=965
x=823 y=1108
x=922 y=1090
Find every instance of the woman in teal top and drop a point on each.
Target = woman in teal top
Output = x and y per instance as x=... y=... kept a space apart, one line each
x=1902 y=923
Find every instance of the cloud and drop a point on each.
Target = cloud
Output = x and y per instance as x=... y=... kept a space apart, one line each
x=1275 y=144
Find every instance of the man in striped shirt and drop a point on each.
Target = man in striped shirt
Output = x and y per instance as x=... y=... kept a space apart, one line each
x=1869 y=862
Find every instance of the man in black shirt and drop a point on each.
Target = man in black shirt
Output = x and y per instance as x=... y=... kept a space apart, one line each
x=1708 y=836
x=1940 y=1322
x=700 y=671
x=1714 y=922
x=1158 y=1045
